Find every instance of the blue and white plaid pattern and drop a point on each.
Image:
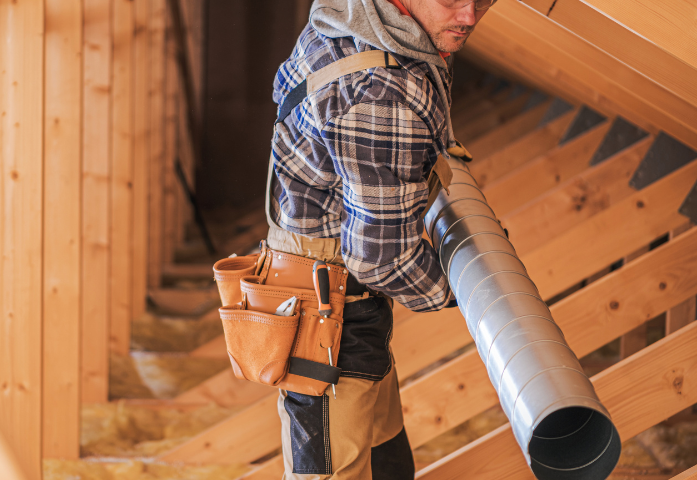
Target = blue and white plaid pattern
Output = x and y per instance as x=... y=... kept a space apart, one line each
x=352 y=160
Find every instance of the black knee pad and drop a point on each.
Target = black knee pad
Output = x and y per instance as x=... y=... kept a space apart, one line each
x=393 y=460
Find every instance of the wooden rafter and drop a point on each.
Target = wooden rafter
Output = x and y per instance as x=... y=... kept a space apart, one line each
x=521 y=37
x=639 y=392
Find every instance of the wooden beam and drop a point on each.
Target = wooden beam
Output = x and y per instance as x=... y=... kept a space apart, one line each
x=575 y=201
x=157 y=141
x=170 y=187
x=636 y=51
x=685 y=313
x=121 y=263
x=509 y=132
x=639 y=392
x=531 y=42
x=636 y=339
x=538 y=142
x=141 y=144
x=96 y=184
x=593 y=316
x=21 y=202
x=225 y=390
x=671 y=26
x=545 y=172
x=62 y=246
x=690 y=474
x=621 y=229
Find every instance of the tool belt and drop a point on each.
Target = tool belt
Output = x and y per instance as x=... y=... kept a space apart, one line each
x=288 y=352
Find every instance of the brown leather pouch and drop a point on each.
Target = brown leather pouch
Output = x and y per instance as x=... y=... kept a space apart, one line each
x=228 y=272
x=261 y=343
x=291 y=353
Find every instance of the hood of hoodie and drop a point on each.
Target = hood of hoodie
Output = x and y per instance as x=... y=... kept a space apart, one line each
x=381 y=25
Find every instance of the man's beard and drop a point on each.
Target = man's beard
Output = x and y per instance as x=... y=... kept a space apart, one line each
x=443 y=46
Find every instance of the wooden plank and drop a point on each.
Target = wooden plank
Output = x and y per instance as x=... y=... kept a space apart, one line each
x=591 y=317
x=96 y=184
x=509 y=132
x=539 y=141
x=636 y=339
x=573 y=202
x=626 y=45
x=157 y=139
x=9 y=466
x=621 y=229
x=671 y=26
x=271 y=470
x=225 y=390
x=546 y=46
x=62 y=228
x=169 y=180
x=477 y=104
x=218 y=445
x=639 y=392
x=690 y=474
x=214 y=348
x=21 y=201
x=141 y=144
x=121 y=263
x=685 y=313
x=545 y=172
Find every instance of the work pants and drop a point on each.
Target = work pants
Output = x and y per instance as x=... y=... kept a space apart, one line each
x=358 y=436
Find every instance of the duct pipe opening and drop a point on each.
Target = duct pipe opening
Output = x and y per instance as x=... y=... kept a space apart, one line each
x=574 y=443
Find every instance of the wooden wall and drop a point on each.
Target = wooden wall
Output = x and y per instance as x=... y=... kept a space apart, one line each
x=91 y=121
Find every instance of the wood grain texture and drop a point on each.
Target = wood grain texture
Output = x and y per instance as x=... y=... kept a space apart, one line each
x=157 y=141
x=547 y=171
x=62 y=208
x=21 y=202
x=540 y=46
x=170 y=187
x=121 y=263
x=638 y=392
x=479 y=124
x=96 y=194
x=575 y=201
x=626 y=45
x=672 y=26
x=141 y=153
x=538 y=142
x=507 y=133
x=632 y=223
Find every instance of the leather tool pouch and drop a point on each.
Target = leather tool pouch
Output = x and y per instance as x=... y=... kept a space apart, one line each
x=285 y=352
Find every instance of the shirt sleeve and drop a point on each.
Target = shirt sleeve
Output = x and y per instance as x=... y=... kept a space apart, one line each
x=380 y=150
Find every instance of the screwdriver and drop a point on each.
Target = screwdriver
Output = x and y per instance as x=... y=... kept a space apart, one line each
x=320 y=277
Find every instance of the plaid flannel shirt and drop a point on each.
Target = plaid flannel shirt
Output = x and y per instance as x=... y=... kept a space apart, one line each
x=352 y=161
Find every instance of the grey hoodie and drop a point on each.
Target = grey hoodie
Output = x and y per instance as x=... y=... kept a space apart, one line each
x=381 y=25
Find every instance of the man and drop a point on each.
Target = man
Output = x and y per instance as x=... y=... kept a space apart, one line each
x=348 y=185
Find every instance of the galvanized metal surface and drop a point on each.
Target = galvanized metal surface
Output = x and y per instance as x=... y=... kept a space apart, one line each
x=561 y=426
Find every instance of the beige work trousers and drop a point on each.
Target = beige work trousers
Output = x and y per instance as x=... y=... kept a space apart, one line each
x=365 y=414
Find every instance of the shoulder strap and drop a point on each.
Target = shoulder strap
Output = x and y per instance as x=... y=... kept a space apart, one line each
x=316 y=80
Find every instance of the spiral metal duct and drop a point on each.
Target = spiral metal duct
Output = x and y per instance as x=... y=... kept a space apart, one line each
x=557 y=419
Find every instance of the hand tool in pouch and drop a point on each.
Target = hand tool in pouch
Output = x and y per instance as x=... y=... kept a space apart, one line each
x=320 y=277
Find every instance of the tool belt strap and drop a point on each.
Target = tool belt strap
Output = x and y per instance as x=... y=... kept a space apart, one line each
x=345 y=66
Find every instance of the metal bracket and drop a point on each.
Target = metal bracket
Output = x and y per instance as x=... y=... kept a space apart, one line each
x=665 y=155
x=621 y=135
x=586 y=118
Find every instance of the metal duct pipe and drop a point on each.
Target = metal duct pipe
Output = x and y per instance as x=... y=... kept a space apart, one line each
x=557 y=419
